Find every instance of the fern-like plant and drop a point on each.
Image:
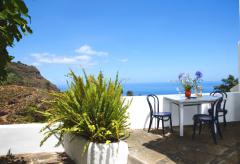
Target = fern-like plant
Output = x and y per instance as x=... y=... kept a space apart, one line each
x=92 y=108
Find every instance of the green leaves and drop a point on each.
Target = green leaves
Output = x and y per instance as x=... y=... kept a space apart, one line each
x=13 y=24
x=92 y=107
x=228 y=83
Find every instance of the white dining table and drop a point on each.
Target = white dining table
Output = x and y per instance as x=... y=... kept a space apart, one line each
x=182 y=101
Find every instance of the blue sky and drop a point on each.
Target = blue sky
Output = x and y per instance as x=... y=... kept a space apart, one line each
x=145 y=40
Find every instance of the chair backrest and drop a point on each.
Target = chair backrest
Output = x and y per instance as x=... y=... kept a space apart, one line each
x=216 y=105
x=211 y=94
x=224 y=100
x=223 y=95
x=153 y=103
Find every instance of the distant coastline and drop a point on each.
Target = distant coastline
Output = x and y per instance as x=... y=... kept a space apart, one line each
x=158 y=88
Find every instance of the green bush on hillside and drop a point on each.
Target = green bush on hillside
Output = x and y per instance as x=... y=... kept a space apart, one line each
x=28 y=115
x=12 y=78
x=129 y=93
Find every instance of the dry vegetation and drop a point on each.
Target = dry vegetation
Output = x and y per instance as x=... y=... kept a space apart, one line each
x=18 y=104
x=22 y=94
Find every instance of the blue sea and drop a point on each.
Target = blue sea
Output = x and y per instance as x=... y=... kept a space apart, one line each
x=158 y=88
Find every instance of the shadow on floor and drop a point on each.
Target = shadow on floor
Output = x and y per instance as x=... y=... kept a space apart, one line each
x=10 y=158
x=201 y=149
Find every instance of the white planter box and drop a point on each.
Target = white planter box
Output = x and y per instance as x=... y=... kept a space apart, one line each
x=95 y=153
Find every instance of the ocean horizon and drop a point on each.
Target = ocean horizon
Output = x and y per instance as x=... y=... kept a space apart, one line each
x=158 y=88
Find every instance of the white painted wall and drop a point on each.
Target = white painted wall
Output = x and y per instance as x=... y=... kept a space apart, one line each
x=238 y=44
x=139 y=111
x=25 y=138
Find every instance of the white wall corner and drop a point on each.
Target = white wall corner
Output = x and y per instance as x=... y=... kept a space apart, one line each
x=239 y=63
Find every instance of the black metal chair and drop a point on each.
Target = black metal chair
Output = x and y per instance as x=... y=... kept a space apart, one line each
x=221 y=111
x=210 y=119
x=153 y=103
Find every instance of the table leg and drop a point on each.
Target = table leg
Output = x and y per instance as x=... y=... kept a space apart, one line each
x=199 y=108
x=181 y=119
x=170 y=106
x=170 y=109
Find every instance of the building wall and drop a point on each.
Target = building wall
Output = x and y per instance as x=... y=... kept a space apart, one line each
x=239 y=56
x=139 y=111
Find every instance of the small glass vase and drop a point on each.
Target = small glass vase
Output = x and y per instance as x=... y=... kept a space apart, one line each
x=200 y=91
x=196 y=91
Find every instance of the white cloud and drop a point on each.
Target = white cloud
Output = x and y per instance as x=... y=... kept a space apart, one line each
x=83 y=58
x=56 y=59
x=87 y=50
x=125 y=60
x=85 y=55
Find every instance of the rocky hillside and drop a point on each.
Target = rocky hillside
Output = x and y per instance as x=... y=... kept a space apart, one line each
x=18 y=104
x=23 y=93
x=24 y=75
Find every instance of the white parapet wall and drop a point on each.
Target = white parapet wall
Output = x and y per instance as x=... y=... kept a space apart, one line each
x=25 y=138
x=139 y=110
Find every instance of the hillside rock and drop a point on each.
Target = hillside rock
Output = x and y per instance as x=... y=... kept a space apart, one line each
x=23 y=93
x=24 y=75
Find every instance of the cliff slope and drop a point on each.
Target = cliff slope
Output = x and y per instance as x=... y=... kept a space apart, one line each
x=25 y=75
x=23 y=93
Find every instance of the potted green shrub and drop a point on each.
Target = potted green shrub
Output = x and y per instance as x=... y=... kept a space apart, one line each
x=90 y=119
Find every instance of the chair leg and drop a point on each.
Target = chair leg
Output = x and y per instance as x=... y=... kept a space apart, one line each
x=170 y=119
x=217 y=120
x=218 y=127
x=158 y=122
x=150 y=124
x=200 y=128
x=219 y=130
x=224 y=120
x=194 y=129
x=213 y=132
x=162 y=126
